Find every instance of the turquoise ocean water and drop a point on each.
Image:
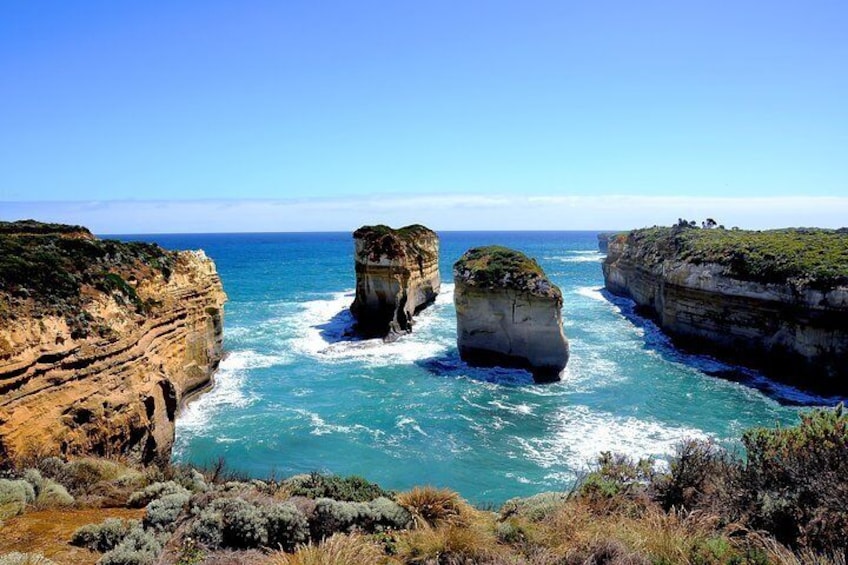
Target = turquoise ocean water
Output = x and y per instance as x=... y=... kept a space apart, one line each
x=293 y=395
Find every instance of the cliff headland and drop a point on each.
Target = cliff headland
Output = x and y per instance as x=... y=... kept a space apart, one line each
x=100 y=341
x=775 y=300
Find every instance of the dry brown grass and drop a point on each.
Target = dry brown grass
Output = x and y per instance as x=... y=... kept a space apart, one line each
x=352 y=549
x=48 y=532
x=433 y=507
x=475 y=542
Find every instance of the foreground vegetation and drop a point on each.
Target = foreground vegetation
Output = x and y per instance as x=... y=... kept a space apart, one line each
x=786 y=504
x=804 y=257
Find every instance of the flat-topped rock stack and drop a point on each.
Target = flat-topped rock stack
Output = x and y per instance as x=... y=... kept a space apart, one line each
x=508 y=313
x=397 y=275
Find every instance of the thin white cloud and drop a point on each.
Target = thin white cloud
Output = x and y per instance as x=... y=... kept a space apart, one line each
x=442 y=212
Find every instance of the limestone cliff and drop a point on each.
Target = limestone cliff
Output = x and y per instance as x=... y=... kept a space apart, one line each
x=774 y=300
x=100 y=341
x=508 y=313
x=397 y=275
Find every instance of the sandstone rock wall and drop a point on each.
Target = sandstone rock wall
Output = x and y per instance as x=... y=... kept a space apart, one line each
x=397 y=275
x=511 y=319
x=799 y=336
x=117 y=389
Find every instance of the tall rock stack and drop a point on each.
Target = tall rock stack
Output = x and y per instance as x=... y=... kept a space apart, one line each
x=508 y=313
x=100 y=341
x=397 y=275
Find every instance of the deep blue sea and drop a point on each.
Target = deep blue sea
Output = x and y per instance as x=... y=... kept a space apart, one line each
x=291 y=396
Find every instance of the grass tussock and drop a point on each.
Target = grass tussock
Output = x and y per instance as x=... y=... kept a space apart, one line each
x=432 y=507
x=352 y=549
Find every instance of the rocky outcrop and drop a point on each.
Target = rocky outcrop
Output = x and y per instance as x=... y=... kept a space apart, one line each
x=397 y=275
x=603 y=241
x=508 y=313
x=100 y=341
x=763 y=299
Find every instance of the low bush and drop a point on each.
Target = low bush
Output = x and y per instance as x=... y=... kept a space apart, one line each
x=336 y=516
x=794 y=484
x=139 y=547
x=701 y=475
x=286 y=526
x=14 y=496
x=163 y=512
x=617 y=477
x=231 y=522
x=534 y=508
x=104 y=536
x=142 y=498
x=450 y=544
x=388 y=515
x=316 y=485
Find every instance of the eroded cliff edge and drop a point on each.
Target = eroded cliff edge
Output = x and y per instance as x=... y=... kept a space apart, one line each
x=100 y=341
x=508 y=313
x=397 y=275
x=774 y=300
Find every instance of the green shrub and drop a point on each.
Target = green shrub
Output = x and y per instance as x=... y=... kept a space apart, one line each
x=536 y=507
x=163 y=512
x=230 y=522
x=152 y=492
x=617 y=475
x=316 y=485
x=700 y=474
x=104 y=536
x=208 y=528
x=53 y=494
x=795 y=483
x=386 y=514
x=140 y=547
x=244 y=525
x=511 y=531
x=17 y=558
x=286 y=526
x=14 y=496
x=335 y=516
x=190 y=479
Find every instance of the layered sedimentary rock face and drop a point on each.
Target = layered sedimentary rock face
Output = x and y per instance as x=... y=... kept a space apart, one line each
x=508 y=313
x=774 y=300
x=397 y=275
x=100 y=341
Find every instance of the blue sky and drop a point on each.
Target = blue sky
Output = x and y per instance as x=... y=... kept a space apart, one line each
x=171 y=103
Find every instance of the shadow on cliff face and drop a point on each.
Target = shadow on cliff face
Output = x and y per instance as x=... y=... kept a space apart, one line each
x=450 y=365
x=657 y=340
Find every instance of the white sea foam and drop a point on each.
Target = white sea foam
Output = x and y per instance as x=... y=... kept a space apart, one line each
x=578 y=434
x=321 y=427
x=577 y=257
x=323 y=325
x=227 y=392
x=592 y=292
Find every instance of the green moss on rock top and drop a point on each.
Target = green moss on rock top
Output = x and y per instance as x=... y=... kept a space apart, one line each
x=409 y=241
x=50 y=269
x=803 y=257
x=495 y=266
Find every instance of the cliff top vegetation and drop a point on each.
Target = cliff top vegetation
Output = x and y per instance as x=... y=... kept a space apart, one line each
x=45 y=272
x=804 y=257
x=495 y=266
x=415 y=241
